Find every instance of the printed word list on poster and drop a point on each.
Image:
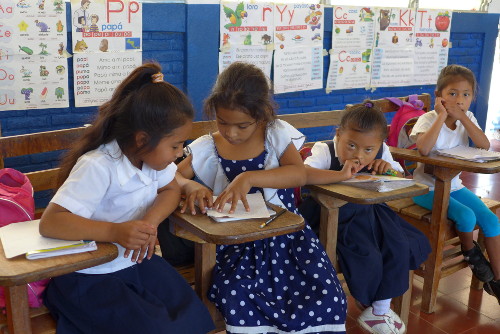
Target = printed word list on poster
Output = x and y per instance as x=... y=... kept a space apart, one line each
x=33 y=63
x=246 y=34
x=298 y=57
x=393 y=47
x=107 y=45
x=432 y=35
x=98 y=74
x=352 y=43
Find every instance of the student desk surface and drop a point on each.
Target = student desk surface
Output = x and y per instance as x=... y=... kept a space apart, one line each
x=206 y=233
x=17 y=271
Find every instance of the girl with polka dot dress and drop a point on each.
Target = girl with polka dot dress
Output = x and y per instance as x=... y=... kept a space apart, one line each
x=283 y=284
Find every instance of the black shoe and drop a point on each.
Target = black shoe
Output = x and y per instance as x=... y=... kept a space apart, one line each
x=493 y=288
x=480 y=267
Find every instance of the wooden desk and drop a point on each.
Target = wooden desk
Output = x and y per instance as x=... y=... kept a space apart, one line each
x=207 y=233
x=444 y=170
x=333 y=196
x=16 y=272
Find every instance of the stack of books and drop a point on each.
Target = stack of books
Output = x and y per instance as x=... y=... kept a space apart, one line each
x=470 y=154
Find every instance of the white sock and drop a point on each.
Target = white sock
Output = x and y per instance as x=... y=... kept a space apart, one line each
x=381 y=307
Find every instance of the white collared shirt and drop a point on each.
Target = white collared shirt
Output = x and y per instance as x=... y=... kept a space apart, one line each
x=104 y=185
x=321 y=158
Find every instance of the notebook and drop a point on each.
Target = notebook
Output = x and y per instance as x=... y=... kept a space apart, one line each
x=380 y=183
x=470 y=154
x=24 y=238
x=258 y=209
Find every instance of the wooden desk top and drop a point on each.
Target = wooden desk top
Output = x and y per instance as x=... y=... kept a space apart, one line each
x=204 y=229
x=19 y=270
x=364 y=196
x=447 y=162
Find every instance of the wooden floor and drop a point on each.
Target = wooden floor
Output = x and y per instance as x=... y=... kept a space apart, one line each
x=459 y=310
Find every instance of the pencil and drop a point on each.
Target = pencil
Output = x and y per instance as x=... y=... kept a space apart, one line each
x=267 y=222
x=391 y=172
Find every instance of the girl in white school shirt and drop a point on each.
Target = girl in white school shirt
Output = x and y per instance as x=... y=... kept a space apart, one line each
x=118 y=186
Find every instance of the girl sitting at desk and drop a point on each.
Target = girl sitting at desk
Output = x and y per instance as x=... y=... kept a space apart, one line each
x=451 y=124
x=376 y=248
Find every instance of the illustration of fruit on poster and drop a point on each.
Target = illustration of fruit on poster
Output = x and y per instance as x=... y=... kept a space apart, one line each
x=106 y=25
x=246 y=34
x=352 y=42
x=245 y=23
x=432 y=35
x=393 y=47
x=33 y=63
x=297 y=25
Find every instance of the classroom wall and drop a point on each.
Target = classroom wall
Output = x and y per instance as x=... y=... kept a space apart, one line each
x=183 y=38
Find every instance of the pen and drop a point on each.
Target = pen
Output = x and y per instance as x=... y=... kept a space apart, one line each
x=391 y=172
x=264 y=224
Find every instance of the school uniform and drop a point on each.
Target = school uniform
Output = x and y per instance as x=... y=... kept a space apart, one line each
x=375 y=247
x=120 y=296
x=283 y=284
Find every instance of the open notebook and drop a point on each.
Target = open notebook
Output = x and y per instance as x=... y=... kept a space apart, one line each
x=24 y=238
x=258 y=209
x=470 y=154
x=380 y=183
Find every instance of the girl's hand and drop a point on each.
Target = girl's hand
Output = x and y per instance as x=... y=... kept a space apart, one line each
x=379 y=166
x=350 y=168
x=197 y=193
x=439 y=106
x=139 y=254
x=455 y=111
x=133 y=235
x=234 y=192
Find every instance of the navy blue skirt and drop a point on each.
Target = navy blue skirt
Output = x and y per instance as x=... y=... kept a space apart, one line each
x=150 y=297
x=376 y=250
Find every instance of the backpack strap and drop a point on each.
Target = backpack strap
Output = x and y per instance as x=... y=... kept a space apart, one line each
x=415 y=102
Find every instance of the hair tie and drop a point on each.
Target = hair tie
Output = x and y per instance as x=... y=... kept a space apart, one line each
x=158 y=77
x=369 y=105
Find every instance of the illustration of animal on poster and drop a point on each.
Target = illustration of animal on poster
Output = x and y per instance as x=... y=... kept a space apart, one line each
x=33 y=55
x=432 y=35
x=298 y=57
x=106 y=25
x=246 y=34
x=352 y=42
x=394 y=47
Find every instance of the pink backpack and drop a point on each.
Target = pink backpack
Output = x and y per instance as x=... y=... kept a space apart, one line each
x=17 y=205
x=402 y=124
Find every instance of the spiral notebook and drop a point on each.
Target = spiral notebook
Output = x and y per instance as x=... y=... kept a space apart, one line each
x=470 y=154
x=380 y=183
x=24 y=238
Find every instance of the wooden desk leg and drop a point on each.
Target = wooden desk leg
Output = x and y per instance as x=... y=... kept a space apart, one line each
x=18 y=313
x=439 y=220
x=204 y=255
x=402 y=303
x=329 y=223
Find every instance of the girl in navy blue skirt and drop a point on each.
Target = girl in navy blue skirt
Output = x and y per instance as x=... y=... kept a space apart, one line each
x=283 y=284
x=118 y=186
x=376 y=248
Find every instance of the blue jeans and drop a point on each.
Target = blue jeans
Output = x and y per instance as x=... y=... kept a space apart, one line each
x=466 y=210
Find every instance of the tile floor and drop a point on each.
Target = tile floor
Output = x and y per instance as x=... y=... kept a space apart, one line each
x=459 y=309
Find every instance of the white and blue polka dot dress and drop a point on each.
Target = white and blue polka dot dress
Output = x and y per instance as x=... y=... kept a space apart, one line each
x=284 y=284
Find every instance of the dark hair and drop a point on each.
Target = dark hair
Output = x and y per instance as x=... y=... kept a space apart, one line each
x=137 y=104
x=364 y=117
x=453 y=73
x=244 y=87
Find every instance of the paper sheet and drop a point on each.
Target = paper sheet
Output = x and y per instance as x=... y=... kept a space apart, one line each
x=21 y=238
x=257 y=205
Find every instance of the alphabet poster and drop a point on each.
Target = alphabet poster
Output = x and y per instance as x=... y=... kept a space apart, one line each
x=352 y=42
x=107 y=45
x=298 y=56
x=432 y=35
x=106 y=25
x=246 y=34
x=393 y=59
x=33 y=65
